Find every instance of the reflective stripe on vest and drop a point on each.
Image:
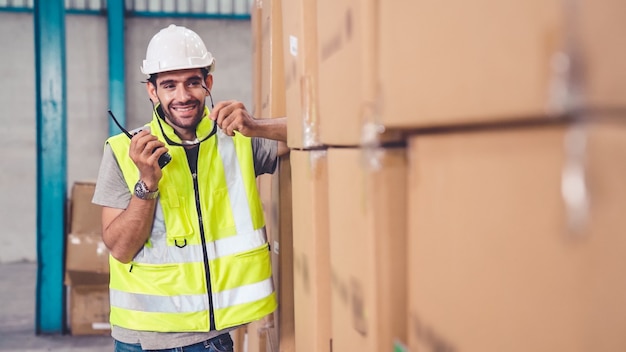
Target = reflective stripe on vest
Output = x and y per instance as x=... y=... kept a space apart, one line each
x=160 y=254
x=236 y=192
x=190 y=303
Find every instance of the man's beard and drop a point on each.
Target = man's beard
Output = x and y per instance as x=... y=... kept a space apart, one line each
x=169 y=118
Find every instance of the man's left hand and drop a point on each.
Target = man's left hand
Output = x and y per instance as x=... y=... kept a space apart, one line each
x=233 y=116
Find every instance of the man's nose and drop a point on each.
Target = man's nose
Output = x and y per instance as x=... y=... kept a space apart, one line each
x=182 y=93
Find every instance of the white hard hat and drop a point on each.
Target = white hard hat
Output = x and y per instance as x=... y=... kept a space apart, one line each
x=176 y=48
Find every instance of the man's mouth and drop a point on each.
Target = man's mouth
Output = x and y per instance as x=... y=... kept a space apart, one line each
x=184 y=108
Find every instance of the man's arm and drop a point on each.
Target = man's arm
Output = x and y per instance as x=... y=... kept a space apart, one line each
x=125 y=231
x=275 y=129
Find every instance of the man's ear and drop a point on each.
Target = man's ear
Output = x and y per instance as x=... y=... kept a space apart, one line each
x=209 y=82
x=151 y=89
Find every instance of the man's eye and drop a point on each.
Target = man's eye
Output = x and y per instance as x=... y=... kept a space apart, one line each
x=168 y=86
x=194 y=83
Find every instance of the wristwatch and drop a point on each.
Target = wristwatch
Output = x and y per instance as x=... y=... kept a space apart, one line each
x=142 y=191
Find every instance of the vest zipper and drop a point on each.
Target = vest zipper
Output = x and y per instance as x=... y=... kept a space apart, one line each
x=204 y=251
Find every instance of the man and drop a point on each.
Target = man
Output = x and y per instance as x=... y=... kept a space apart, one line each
x=181 y=213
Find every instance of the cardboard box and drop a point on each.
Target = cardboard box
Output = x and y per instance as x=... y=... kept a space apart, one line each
x=272 y=60
x=311 y=250
x=435 y=64
x=300 y=51
x=257 y=334
x=85 y=217
x=367 y=214
x=516 y=239
x=282 y=254
x=239 y=338
x=89 y=310
x=264 y=185
x=276 y=191
x=271 y=340
x=87 y=260
x=256 y=25
x=346 y=71
x=495 y=61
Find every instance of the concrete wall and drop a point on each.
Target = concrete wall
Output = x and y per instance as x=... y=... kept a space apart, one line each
x=87 y=103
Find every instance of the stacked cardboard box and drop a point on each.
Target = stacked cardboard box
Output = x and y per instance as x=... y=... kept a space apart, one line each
x=274 y=332
x=516 y=239
x=311 y=250
x=428 y=64
x=86 y=265
x=455 y=167
x=367 y=230
x=349 y=203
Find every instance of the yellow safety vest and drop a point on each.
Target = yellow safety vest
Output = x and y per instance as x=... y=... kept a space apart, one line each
x=207 y=256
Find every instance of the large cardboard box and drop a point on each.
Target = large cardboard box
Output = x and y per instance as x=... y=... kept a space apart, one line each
x=272 y=341
x=87 y=260
x=86 y=265
x=257 y=335
x=89 y=310
x=282 y=254
x=257 y=44
x=300 y=51
x=516 y=239
x=272 y=60
x=347 y=72
x=498 y=61
x=276 y=193
x=264 y=186
x=311 y=250
x=239 y=338
x=85 y=217
x=367 y=231
x=436 y=64
x=86 y=256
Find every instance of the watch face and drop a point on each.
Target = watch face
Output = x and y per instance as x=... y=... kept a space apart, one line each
x=142 y=191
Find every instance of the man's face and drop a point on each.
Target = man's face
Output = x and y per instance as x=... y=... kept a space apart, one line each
x=181 y=94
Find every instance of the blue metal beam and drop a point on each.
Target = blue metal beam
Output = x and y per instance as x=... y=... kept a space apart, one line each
x=117 y=84
x=49 y=23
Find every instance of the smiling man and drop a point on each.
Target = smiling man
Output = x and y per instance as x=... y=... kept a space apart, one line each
x=189 y=256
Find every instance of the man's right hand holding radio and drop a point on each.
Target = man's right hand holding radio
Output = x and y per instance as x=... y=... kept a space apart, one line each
x=145 y=150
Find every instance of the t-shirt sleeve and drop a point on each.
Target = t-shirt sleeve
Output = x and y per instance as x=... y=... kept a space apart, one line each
x=111 y=188
x=265 y=155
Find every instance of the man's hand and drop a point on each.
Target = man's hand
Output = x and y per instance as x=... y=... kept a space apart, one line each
x=232 y=116
x=145 y=150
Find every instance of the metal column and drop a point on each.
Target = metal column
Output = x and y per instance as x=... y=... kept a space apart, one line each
x=117 y=87
x=49 y=23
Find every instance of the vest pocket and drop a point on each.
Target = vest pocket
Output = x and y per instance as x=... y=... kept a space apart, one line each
x=260 y=251
x=168 y=276
x=242 y=269
x=178 y=221
x=154 y=269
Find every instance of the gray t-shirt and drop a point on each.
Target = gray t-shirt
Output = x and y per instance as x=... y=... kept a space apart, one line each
x=112 y=191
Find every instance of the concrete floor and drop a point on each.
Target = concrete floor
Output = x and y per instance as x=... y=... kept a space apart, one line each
x=17 y=317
